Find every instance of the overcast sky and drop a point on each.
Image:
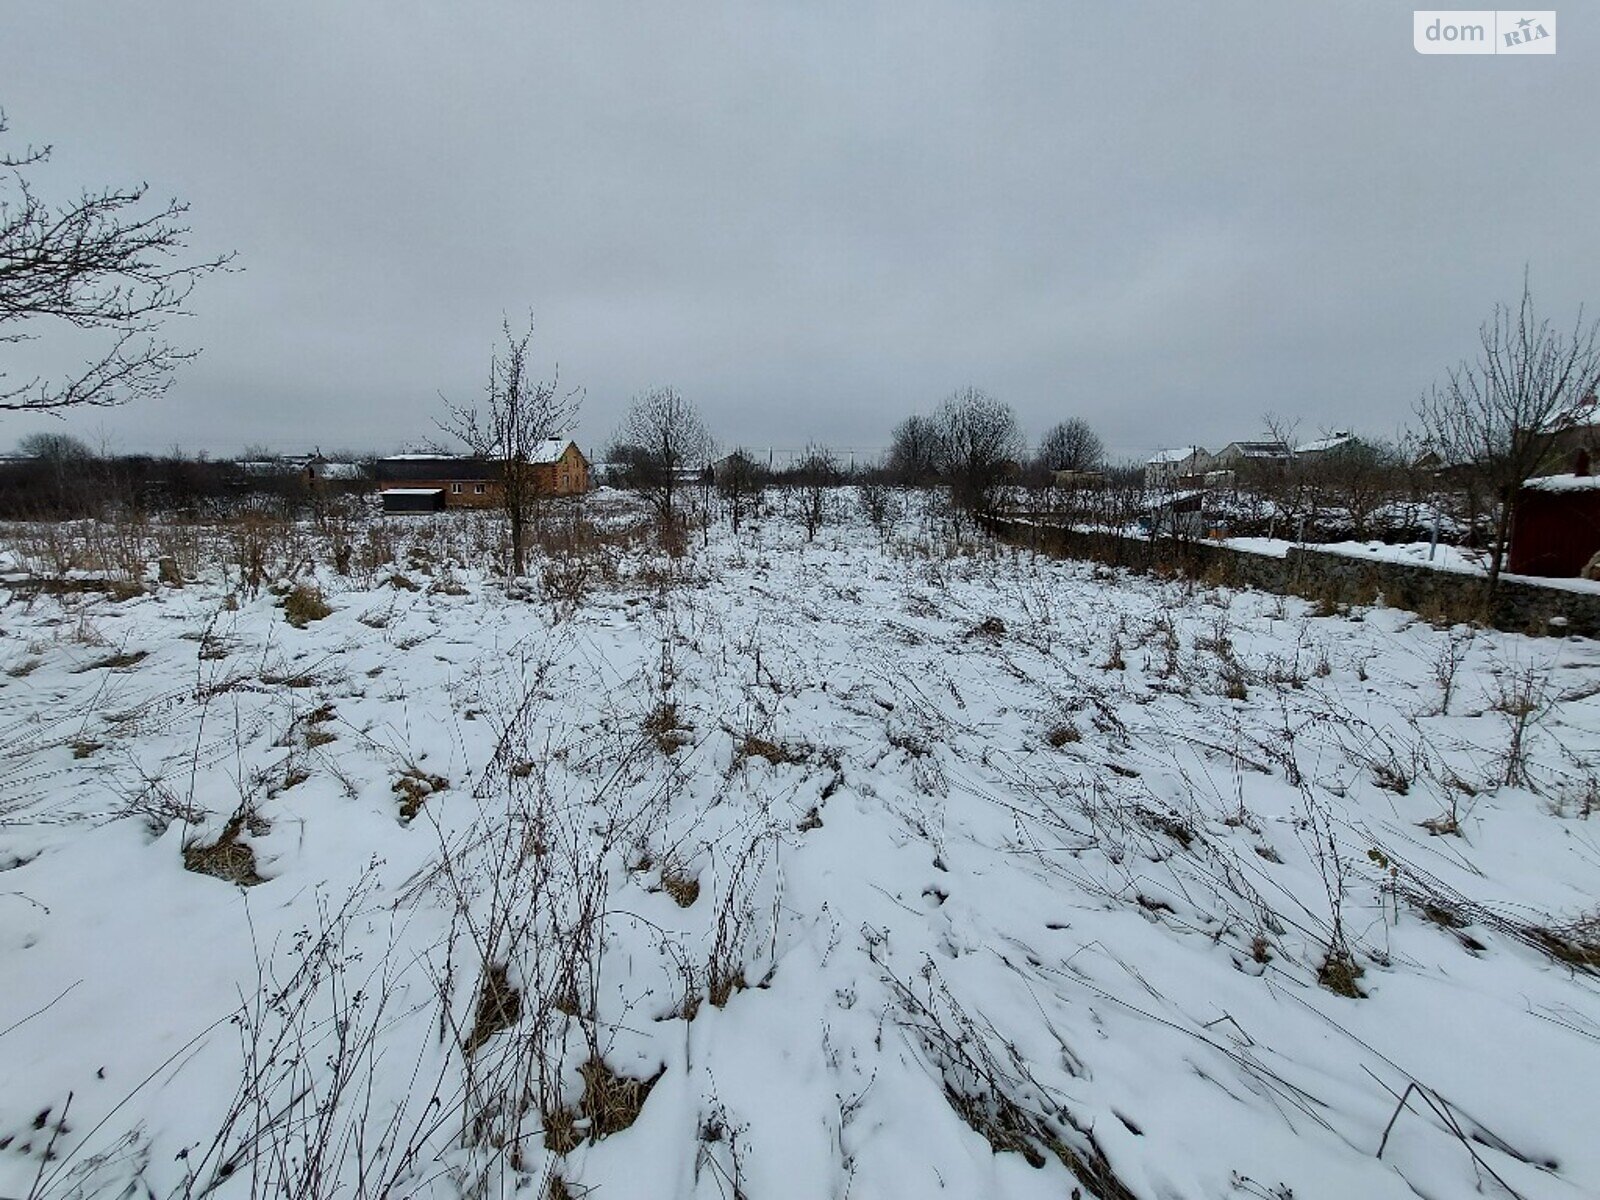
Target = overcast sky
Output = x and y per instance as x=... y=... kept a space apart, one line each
x=813 y=219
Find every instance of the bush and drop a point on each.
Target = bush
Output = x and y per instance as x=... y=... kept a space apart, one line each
x=305 y=604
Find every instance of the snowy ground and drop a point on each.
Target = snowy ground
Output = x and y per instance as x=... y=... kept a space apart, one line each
x=886 y=868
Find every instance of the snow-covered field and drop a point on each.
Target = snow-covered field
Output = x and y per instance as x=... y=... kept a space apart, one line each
x=872 y=867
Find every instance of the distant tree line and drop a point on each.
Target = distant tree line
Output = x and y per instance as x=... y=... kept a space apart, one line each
x=59 y=477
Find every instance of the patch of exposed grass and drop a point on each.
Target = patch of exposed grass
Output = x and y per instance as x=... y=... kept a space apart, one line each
x=610 y=1104
x=116 y=662
x=316 y=736
x=1062 y=735
x=776 y=753
x=414 y=787
x=1339 y=972
x=305 y=604
x=226 y=858
x=290 y=679
x=666 y=729
x=680 y=885
x=1577 y=944
x=499 y=1007
x=1168 y=823
x=84 y=747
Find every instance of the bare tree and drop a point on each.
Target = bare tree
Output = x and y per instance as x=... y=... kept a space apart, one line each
x=817 y=474
x=740 y=481
x=980 y=446
x=104 y=263
x=1357 y=478
x=878 y=502
x=518 y=416
x=1498 y=417
x=55 y=447
x=662 y=441
x=1072 y=446
x=913 y=459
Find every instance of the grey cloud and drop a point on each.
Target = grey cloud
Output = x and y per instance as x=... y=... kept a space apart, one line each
x=813 y=219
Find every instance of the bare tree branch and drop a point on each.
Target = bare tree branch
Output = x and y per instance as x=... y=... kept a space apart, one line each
x=662 y=440
x=518 y=416
x=103 y=262
x=1498 y=418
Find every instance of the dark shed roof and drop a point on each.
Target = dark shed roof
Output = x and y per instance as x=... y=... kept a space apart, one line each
x=407 y=468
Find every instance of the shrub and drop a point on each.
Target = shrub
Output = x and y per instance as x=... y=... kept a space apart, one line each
x=305 y=604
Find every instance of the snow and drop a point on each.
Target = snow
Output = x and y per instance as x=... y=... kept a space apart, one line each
x=1323 y=445
x=405 y=491
x=1564 y=483
x=1045 y=838
x=549 y=451
x=1179 y=455
x=1444 y=557
x=340 y=470
x=1270 y=547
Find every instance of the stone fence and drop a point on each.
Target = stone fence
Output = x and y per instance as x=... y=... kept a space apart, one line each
x=1521 y=604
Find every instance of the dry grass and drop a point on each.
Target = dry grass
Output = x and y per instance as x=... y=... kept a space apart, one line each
x=297 y=680
x=115 y=662
x=1062 y=735
x=1577 y=943
x=315 y=736
x=776 y=753
x=1339 y=972
x=414 y=787
x=499 y=1007
x=666 y=729
x=305 y=604
x=610 y=1104
x=680 y=885
x=226 y=858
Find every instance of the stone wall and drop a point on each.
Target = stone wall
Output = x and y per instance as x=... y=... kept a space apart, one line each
x=1521 y=605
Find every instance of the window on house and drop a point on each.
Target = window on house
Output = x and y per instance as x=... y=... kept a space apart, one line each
x=477 y=489
x=455 y=489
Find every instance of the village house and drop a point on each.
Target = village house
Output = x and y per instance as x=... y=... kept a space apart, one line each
x=428 y=482
x=327 y=475
x=1166 y=468
x=1339 y=439
x=1237 y=456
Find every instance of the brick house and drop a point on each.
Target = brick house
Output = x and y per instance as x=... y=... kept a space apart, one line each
x=466 y=481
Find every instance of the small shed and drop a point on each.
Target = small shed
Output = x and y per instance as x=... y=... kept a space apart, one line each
x=1556 y=528
x=413 y=500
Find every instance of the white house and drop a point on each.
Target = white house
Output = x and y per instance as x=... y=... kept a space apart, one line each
x=1237 y=454
x=1166 y=467
x=1336 y=440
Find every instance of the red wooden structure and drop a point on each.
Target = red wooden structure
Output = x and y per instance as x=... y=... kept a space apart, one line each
x=1556 y=528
